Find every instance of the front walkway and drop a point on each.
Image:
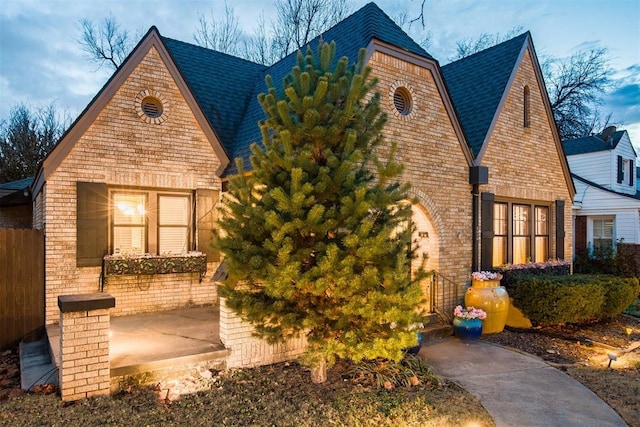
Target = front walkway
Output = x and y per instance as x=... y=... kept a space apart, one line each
x=518 y=389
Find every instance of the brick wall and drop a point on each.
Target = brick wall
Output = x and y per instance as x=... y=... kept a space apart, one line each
x=142 y=294
x=524 y=163
x=119 y=148
x=433 y=160
x=247 y=350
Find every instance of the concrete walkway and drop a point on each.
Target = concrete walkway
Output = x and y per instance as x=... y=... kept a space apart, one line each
x=518 y=389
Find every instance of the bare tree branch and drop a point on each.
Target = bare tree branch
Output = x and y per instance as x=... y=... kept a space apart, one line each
x=106 y=44
x=576 y=87
x=224 y=35
x=471 y=45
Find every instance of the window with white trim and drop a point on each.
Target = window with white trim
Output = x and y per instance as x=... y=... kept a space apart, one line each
x=602 y=235
x=150 y=222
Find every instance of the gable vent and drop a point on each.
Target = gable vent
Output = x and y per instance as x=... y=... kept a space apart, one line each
x=402 y=101
x=151 y=107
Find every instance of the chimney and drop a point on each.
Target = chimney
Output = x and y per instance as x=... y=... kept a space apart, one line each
x=607 y=133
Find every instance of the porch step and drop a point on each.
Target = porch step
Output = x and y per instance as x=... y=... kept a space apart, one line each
x=173 y=376
x=36 y=366
x=436 y=331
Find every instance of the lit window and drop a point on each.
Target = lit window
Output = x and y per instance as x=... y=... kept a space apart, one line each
x=150 y=222
x=173 y=224
x=521 y=234
x=542 y=234
x=500 y=234
x=519 y=238
x=129 y=223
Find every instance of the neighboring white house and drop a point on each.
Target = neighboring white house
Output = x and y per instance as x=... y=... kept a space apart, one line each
x=606 y=207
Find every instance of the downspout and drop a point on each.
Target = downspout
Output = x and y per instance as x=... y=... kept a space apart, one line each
x=475 y=192
x=477 y=175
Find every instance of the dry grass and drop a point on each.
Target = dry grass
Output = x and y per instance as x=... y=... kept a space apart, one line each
x=277 y=395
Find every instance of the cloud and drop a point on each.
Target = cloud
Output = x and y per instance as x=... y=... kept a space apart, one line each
x=624 y=99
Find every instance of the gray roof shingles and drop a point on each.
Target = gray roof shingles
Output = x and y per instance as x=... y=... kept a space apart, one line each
x=591 y=144
x=226 y=87
x=476 y=85
x=220 y=83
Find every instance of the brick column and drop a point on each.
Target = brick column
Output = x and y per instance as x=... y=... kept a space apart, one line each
x=84 y=345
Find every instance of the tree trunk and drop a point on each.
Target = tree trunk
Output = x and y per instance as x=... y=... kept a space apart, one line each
x=319 y=372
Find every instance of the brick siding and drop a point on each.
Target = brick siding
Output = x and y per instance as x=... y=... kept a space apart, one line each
x=119 y=148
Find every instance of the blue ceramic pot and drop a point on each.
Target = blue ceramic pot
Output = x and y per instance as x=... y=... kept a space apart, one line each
x=467 y=330
x=416 y=348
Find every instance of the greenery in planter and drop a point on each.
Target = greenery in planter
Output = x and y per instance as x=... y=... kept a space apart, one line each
x=316 y=237
x=511 y=272
x=581 y=298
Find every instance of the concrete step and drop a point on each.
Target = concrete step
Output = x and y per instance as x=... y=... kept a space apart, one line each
x=436 y=331
x=36 y=366
x=173 y=376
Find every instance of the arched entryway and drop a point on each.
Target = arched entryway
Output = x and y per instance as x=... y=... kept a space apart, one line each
x=425 y=238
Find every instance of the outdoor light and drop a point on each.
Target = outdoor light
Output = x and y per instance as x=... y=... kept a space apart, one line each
x=612 y=357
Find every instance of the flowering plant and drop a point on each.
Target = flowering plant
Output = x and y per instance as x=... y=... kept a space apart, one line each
x=469 y=313
x=485 y=275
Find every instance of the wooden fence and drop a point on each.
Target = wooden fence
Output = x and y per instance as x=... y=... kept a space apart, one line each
x=21 y=284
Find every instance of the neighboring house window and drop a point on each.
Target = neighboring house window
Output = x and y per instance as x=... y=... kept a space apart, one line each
x=150 y=222
x=623 y=172
x=526 y=108
x=520 y=233
x=602 y=236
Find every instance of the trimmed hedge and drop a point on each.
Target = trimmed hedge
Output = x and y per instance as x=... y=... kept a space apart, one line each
x=581 y=298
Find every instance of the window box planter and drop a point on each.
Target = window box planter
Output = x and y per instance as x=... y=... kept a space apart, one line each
x=122 y=265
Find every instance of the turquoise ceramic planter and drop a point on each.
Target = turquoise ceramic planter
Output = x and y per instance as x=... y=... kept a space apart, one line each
x=467 y=330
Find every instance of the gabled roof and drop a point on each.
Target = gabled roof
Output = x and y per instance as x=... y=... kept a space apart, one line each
x=591 y=144
x=477 y=85
x=20 y=184
x=608 y=190
x=151 y=39
x=351 y=34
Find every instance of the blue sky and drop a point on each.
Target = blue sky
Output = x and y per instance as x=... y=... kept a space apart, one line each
x=41 y=61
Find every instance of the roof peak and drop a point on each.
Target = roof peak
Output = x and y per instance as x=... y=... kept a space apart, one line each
x=524 y=36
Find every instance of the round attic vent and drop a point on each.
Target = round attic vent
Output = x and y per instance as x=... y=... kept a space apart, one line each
x=151 y=107
x=402 y=101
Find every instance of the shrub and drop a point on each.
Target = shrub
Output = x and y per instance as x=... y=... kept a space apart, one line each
x=548 y=300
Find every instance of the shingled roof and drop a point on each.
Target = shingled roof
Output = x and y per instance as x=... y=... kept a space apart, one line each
x=476 y=85
x=350 y=35
x=220 y=83
x=591 y=144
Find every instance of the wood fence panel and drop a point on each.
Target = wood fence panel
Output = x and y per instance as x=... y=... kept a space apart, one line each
x=21 y=284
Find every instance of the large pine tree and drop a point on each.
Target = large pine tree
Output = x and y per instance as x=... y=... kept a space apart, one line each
x=316 y=237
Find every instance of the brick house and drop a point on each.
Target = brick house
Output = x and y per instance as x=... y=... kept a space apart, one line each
x=142 y=167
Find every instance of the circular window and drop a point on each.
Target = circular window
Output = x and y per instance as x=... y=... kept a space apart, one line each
x=151 y=107
x=402 y=101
